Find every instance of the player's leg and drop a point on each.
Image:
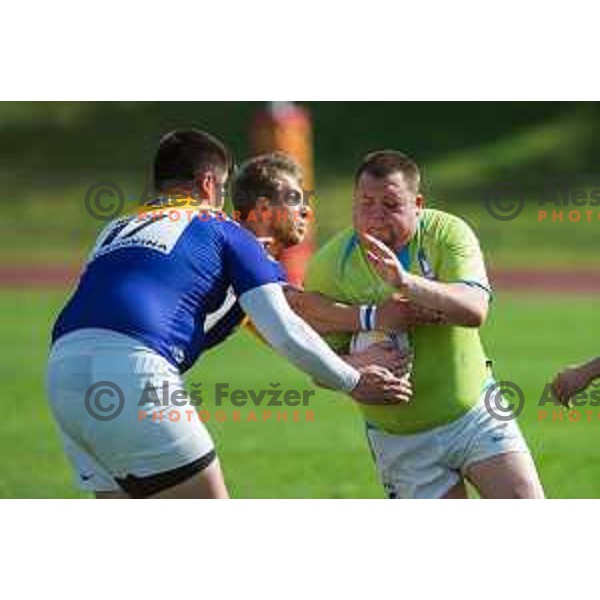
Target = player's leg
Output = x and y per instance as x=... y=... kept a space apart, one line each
x=493 y=455
x=509 y=475
x=201 y=478
x=208 y=484
x=413 y=466
x=457 y=492
x=143 y=450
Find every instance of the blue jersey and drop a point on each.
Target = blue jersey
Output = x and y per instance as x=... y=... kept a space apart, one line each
x=171 y=283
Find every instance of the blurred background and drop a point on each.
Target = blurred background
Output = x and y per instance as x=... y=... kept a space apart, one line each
x=50 y=153
x=546 y=274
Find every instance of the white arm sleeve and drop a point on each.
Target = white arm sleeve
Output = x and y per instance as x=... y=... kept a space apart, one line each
x=295 y=339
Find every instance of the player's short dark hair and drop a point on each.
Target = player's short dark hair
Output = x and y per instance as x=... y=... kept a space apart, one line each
x=382 y=163
x=259 y=177
x=183 y=153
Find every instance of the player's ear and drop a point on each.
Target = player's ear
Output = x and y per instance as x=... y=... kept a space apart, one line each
x=420 y=202
x=206 y=183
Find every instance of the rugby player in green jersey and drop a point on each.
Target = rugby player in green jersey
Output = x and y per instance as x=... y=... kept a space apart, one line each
x=403 y=267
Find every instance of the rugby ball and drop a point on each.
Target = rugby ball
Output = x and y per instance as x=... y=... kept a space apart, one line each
x=363 y=339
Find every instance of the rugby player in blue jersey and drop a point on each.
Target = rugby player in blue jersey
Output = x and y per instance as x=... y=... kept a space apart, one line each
x=156 y=292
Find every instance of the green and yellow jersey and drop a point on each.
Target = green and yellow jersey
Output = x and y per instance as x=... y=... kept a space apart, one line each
x=450 y=370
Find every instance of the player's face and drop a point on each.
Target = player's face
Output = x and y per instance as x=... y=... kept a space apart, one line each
x=387 y=208
x=290 y=215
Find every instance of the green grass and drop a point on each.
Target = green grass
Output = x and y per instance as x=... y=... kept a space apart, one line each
x=529 y=337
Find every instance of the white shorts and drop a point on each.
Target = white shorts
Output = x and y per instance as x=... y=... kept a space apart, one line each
x=430 y=463
x=96 y=380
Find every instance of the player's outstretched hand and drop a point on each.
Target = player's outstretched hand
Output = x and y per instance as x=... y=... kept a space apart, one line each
x=569 y=382
x=378 y=386
x=384 y=260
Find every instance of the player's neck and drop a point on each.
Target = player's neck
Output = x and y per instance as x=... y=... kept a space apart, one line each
x=265 y=236
x=259 y=228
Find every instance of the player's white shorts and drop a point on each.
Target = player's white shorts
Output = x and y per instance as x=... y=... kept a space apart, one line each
x=96 y=379
x=430 y=463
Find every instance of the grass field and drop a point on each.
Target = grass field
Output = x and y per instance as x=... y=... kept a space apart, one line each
x=529 y=337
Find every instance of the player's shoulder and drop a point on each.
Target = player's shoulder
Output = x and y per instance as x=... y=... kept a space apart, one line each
x=220 y=225
x=246 y=247
x=340 y=243
x=324 y=267
x=233 y=230
x=441 y=225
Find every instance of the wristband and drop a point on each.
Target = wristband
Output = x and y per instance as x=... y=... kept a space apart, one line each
x=373 y=317
x=367 y=316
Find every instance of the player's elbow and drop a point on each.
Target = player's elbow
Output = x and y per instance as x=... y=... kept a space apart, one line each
x=473 y=305
x=474 y=316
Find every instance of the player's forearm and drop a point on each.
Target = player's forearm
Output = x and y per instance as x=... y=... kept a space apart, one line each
x=322 y=313
x=399 y=314
x=328 y=316
x=458 y=303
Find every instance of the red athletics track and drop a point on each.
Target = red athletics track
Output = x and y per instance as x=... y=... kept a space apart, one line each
x=39 y=276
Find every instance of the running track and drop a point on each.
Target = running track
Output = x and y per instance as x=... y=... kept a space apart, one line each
x=55 y=276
